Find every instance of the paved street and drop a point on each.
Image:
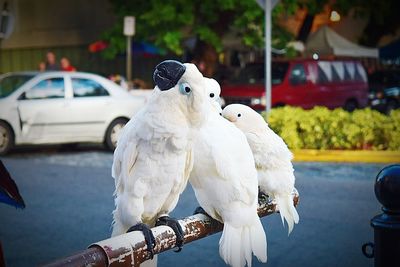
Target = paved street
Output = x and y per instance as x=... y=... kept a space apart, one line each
x=69 y=203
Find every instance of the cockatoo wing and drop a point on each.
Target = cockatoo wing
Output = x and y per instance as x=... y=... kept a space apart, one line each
x=125 y=153
x=270 y=151
x=225 y=155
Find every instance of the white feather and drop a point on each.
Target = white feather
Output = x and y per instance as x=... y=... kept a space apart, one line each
x=224 y=179
x=272 y=158
x=153 y=158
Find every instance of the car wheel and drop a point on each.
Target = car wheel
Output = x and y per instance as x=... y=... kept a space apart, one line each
x=279 y=105
x=350 y=105
x=113 y=132
x=6 y=138
x=391 y=105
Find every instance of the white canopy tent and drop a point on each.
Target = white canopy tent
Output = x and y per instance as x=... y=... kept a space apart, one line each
x=326 y=41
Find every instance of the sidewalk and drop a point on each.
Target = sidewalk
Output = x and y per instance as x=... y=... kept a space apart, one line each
x=347 y=156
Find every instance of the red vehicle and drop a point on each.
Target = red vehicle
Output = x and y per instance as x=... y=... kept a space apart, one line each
x=304 y=82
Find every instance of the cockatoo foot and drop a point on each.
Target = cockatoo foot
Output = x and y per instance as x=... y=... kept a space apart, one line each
x=262 y=198
x=214 y=223
x=148 y=236
x=176 y=227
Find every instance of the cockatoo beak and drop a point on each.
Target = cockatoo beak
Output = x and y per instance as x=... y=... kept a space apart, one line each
x=229 y=117
x=168 y=73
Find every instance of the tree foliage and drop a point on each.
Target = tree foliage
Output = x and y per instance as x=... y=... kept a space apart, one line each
x=169 y=24
x=382 y=17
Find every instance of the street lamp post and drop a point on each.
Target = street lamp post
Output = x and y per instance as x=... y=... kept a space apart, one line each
x=267 y=5
x=268 y=28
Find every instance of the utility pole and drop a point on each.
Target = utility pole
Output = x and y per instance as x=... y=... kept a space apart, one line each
x=267 y=5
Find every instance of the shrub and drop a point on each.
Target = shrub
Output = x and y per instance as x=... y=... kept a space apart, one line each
x=321 y=128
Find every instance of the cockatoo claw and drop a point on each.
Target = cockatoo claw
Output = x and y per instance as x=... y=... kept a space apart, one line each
x=148 y=236
x=214 y=223
x=200 y=210
x=176 y=227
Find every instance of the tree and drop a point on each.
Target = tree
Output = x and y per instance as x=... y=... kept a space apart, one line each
x=168 y=24
x=382 y=17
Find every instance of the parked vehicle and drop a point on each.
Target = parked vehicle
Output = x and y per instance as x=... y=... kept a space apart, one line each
x=384 y=90
x=304 y=82
x=63 y=107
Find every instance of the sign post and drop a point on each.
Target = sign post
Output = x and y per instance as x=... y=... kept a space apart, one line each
x=129 y=31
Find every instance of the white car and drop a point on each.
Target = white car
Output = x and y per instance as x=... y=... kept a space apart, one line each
x=63 y=107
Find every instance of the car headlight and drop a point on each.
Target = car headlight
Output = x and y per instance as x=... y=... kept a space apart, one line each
x=258 y=101
x=255 y=101
x=264 y=101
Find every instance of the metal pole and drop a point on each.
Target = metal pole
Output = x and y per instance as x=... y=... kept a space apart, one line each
x=130 y=249
x=129 y=58
x=386 y=247
x=268 y=28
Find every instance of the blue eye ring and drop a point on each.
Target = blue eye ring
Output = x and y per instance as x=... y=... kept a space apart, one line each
x=184 y=88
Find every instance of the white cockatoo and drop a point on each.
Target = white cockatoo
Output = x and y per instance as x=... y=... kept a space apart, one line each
x=153 y=157
x=213 y=91
x=224 y=179
x=272 y=157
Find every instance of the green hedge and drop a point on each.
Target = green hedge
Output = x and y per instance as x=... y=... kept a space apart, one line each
x=321 y=128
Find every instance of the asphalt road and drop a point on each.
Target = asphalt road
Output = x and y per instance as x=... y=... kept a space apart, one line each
x=69 y=203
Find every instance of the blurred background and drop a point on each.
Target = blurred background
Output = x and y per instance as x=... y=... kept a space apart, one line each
x=217 y=35
x=335 y=87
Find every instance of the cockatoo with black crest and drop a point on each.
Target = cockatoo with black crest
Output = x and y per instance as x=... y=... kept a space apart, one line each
x=272 y=158
x=224 y=179
x=153 y=157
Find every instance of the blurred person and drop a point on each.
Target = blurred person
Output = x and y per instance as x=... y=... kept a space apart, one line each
x=120 y=80
x=51 y=64
x=42 y=66
x=66 y=65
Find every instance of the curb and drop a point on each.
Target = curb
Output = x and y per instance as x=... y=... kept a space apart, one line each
x=347 y=156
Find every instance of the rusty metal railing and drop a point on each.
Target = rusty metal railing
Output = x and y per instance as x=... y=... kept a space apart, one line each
x=130 y=249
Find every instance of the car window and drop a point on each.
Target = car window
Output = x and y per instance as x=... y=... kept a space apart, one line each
x=86 y=87
x=324 y=72
x=48 y=88
x=9 y=84
x=278 y=72
x=335 y=75
x=251 y=74
x=350 y=69
x=255 y=73
x=360 y=74
x=297 y=75
x=347 y=75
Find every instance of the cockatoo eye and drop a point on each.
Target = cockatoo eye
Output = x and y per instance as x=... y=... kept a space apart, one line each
x=184 y=88
x=239 y=115
x=212 y=95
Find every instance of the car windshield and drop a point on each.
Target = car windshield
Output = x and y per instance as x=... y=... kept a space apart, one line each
x=8 y=84
x=255 y=73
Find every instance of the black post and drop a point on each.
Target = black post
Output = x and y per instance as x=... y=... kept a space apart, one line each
x=386 y=249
